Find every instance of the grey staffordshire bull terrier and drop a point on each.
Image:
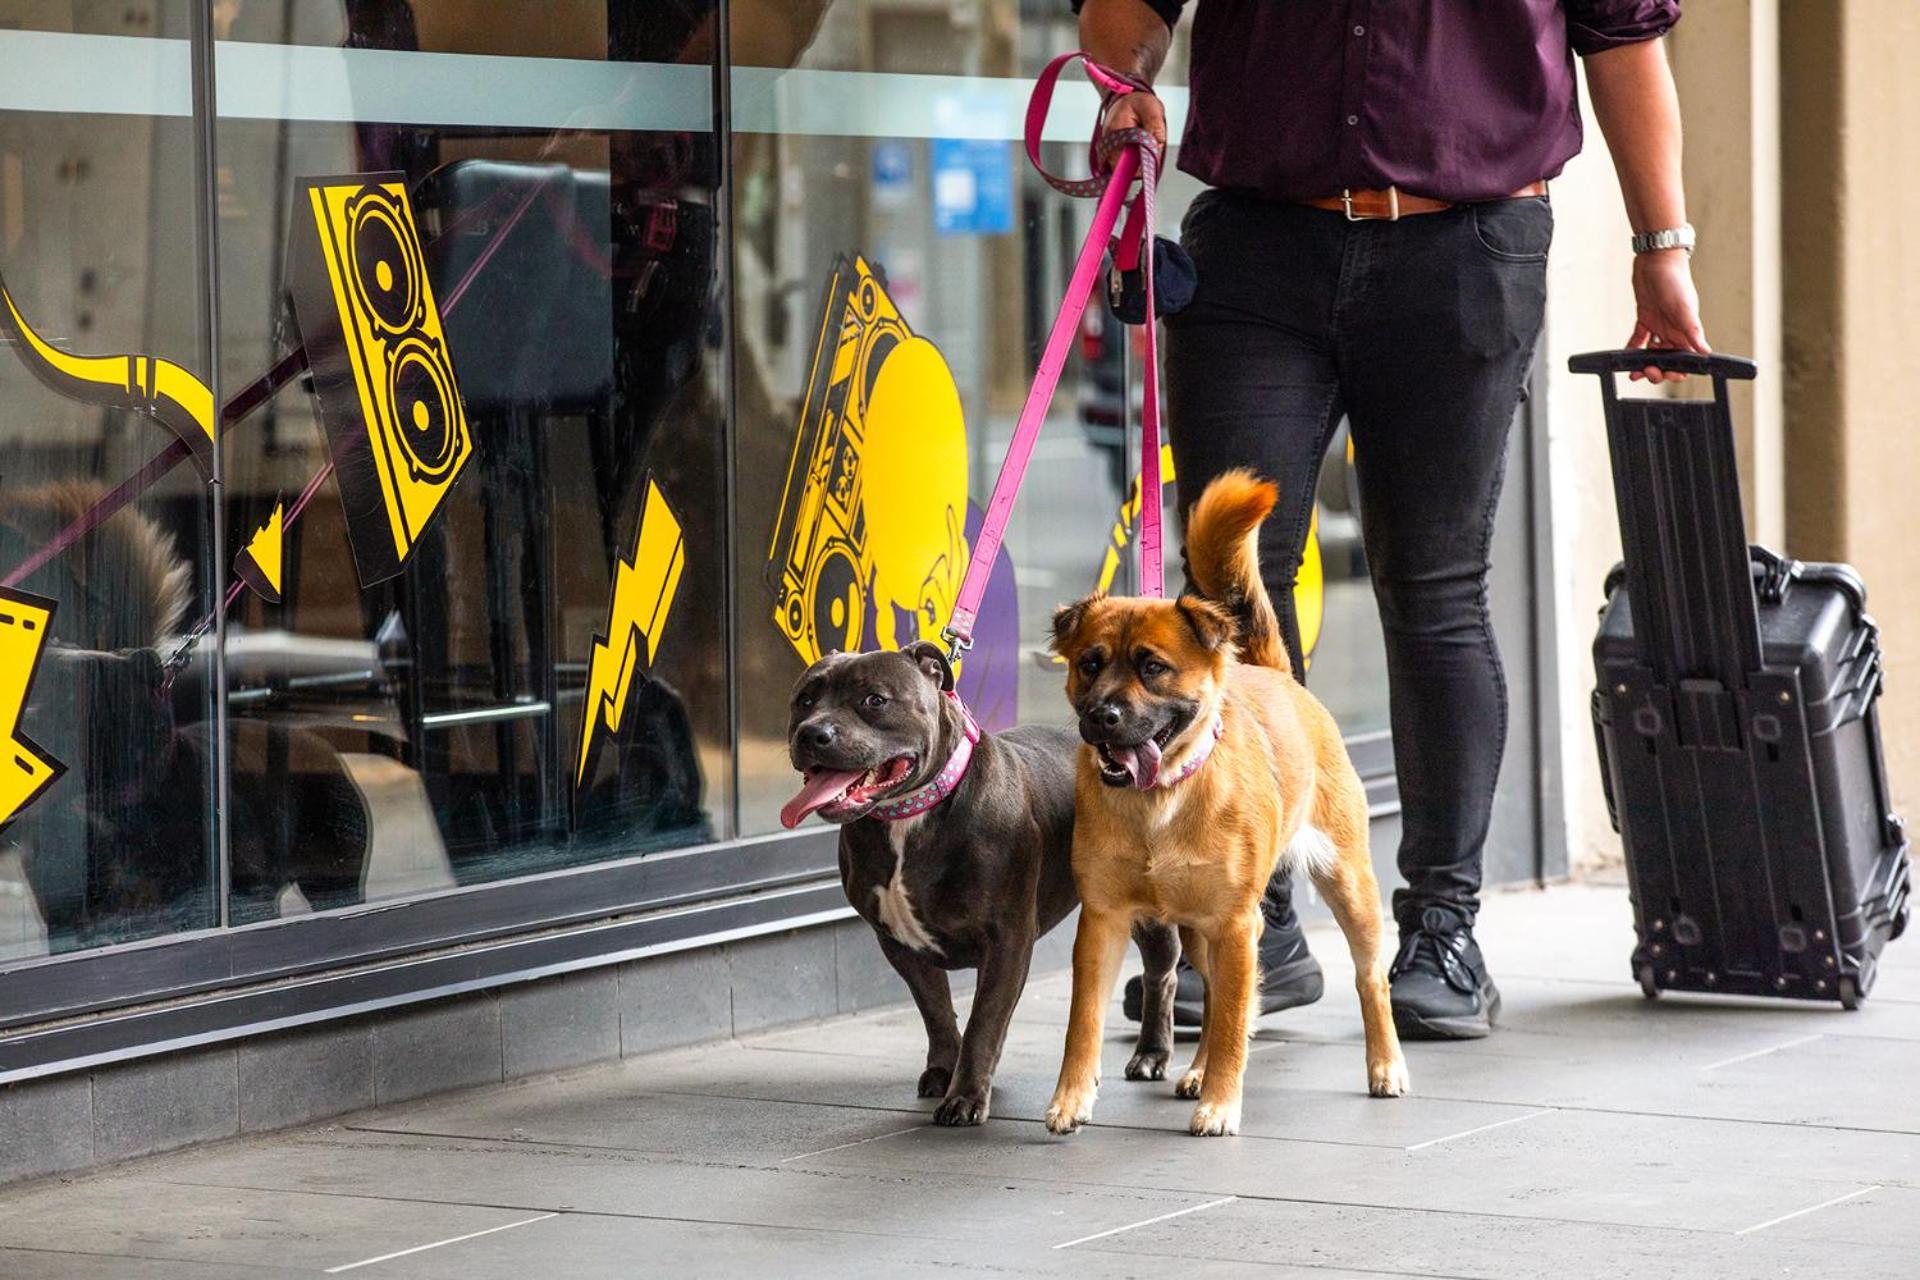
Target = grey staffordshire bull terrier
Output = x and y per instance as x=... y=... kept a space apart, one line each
x=971 y=877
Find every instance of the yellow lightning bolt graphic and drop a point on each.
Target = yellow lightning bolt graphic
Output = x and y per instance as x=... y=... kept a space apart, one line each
x=1123 y=523
x=643 y=590
x=25 y=770
x=259 y=562
x=1309 y=587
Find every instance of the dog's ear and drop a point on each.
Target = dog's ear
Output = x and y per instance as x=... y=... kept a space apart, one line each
x=932 y=659
x=1208 y=622
x=1067 y=620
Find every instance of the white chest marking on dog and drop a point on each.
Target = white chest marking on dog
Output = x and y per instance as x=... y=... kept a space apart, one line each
x=891 y=900
x=1312 y=850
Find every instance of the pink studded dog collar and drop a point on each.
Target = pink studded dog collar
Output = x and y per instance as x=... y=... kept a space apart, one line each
x=913 y=803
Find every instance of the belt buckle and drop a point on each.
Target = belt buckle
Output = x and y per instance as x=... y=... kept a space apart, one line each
x=1393 y=207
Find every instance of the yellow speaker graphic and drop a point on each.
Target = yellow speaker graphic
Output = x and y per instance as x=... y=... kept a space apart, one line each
x=382 y=373
x=874 y=514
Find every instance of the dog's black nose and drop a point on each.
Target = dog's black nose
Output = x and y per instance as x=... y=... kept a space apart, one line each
x=817 y=733
x=1106 y=716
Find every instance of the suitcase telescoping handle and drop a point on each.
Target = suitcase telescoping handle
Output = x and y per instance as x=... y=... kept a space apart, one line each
x=1677 y=485
x=1632 y=361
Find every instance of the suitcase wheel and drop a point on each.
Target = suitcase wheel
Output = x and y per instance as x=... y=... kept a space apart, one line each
x=1648 y=987
x=1849 y=994
x=1900 y=919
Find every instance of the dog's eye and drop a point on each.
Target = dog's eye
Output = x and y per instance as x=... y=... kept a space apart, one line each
x=1154 y=667
x=1090 y=665
x=804 y=700
x=876 y=699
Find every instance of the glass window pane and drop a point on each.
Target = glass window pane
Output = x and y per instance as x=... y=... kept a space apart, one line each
x=499 y=643
x=881 y=215
x=106 y=773
x=894 y=261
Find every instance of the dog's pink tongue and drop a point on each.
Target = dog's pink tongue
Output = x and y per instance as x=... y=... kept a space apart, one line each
x=1142 y=763
x=823 y=787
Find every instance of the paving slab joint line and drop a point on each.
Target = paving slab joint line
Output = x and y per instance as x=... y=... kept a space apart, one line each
x=1761 y=1053
x=1468 y=1133
x=859 y=1142
x=1801 y=1213
x=1147 y=1222
x=438 y=1244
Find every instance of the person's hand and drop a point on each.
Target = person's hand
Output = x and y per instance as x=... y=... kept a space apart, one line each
x=1139 y=111
x=1667 y=309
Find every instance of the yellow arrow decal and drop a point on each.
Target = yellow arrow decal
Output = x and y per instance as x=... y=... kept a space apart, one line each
x=159 y=389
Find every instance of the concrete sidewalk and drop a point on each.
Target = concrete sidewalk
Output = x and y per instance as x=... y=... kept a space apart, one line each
x=1596 y=1135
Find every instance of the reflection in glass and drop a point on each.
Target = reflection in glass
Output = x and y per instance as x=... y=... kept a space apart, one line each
x=110 y=838
x=869 y=434
x=518 y=690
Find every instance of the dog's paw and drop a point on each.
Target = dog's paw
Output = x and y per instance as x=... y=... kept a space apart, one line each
x=934 y=1082
x=1188 y=1085
x=963 y=1109
x=1388 y=1079
x=1215 y=1119
x=1148 y=1064
x=1069 y=1110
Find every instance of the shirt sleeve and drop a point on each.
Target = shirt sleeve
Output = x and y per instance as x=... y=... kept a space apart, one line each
x=1169 y=10
x=1593 y=25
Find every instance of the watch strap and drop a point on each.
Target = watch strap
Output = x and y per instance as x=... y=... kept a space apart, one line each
x=1680 y=237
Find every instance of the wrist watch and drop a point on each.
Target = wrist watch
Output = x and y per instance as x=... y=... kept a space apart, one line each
x=1680 y=237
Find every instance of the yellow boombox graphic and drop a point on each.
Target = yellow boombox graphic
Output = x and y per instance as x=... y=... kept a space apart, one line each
x=873 y=517
x=388 y=399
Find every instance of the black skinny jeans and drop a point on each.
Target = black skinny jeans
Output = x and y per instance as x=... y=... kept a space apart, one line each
x=1420 y=332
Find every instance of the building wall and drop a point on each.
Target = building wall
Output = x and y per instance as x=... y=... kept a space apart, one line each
x=82 y=1119
x=1590 y=307
x=1851 y=104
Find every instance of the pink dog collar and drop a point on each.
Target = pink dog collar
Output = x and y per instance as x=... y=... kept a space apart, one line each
x=928 y=794
x=1192 y=766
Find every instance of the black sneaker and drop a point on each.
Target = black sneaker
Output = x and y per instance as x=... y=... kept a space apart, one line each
x=1289 y=977
x=1440 y=987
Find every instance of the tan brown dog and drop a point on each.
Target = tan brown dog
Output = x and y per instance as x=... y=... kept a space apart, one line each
x=1205 y=763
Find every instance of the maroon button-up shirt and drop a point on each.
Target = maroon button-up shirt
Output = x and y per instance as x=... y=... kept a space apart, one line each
x=1454 y=99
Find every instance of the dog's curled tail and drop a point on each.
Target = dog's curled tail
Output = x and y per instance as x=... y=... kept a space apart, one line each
x=1223 y=561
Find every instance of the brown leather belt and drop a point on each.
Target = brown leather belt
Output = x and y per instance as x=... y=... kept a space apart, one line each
x=1393 y=204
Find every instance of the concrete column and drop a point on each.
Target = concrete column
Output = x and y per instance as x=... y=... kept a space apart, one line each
x=1726 y=61
x=1851 y=105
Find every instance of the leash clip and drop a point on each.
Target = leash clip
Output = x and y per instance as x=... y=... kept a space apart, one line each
x=957 y=644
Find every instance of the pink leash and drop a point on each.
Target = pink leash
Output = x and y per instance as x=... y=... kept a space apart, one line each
x=1125 y=155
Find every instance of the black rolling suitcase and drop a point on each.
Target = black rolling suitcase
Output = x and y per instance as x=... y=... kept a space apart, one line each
x=1735 y=713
